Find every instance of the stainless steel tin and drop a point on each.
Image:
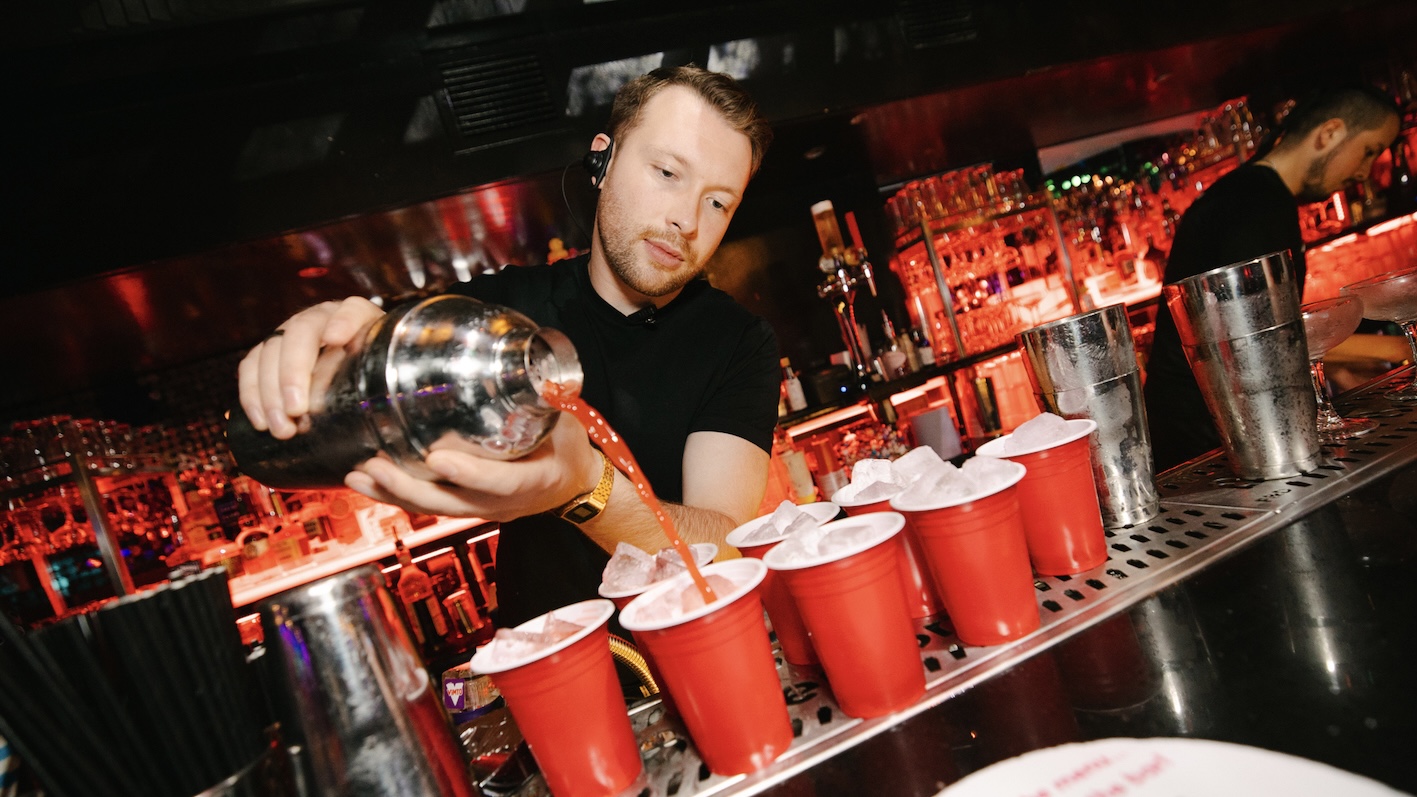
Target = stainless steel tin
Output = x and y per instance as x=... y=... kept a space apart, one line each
x=446 y=372
x=357 y=699
x=1085 y=366
x=1243 y=335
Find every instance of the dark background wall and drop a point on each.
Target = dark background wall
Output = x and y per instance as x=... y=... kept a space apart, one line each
x=183 y=175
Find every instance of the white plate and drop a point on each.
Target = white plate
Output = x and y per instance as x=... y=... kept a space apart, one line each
x=1163 y=767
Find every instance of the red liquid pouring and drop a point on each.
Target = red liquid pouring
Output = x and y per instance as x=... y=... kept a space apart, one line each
x=620 y=456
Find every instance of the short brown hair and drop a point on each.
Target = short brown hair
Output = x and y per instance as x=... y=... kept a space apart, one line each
x=1361 y=107
x=717 y=89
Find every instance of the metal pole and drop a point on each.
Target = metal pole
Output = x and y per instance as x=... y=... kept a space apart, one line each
x=945 y=298
x=40 y=560
x=1066 y=259
x=109 y=549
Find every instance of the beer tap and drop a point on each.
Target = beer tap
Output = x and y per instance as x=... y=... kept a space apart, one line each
x=847 y=271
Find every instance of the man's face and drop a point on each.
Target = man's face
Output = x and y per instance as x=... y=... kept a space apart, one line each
x=674 y=182
x=1348 y=161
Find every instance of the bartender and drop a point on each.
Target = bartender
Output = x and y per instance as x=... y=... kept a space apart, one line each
x=688 y=377
x=1326 y=143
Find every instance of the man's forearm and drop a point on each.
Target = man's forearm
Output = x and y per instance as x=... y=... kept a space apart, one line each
x=627 y=519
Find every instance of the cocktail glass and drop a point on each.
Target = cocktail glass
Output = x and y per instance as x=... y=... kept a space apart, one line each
x=1392 y=297
x=1327 y=324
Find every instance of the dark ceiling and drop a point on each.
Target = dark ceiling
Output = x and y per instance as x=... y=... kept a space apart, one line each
x=177 y=166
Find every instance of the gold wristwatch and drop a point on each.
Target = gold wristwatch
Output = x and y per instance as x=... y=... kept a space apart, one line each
x=585 y=507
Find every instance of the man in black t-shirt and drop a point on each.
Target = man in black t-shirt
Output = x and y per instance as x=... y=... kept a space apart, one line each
x=1326 y=142
x=688 y=377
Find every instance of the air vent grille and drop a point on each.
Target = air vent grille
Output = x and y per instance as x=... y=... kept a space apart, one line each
x=107 y=16
x=938 y=23
x=489 y=94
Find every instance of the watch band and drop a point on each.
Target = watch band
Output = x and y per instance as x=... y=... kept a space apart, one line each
x=585 y=507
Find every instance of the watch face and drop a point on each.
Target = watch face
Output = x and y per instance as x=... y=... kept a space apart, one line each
x=580 y=513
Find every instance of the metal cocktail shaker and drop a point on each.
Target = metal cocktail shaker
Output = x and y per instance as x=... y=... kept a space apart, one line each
x=356 y=700
x=1085 y=366
x=447 y=372
x=1243 y=335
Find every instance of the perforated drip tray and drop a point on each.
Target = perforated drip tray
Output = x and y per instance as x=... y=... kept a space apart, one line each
x=1206 y=513
x=1211 y=482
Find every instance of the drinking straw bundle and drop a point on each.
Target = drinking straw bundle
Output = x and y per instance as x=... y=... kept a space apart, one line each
x=147 y=695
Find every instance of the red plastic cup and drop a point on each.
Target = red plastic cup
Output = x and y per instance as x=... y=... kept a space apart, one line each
x=921 y=598
x=719 y=668
x=567 y=703
x=1062 y=518
x=976 y=552
x=853 y=607
x=786 y=622
x=704 y=552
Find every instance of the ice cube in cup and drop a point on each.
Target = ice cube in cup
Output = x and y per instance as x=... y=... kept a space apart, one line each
x=630 y=568
x=690 y=598
x=667 y=602
x=877 y=491
x=979 y=477
x=826 y=541
x=917 y=462
x=763 y=529
x=867 y=471
x=871 y=480
x=1044 y=431
x=945 y=484
x=988 y=474
x=845 y=538
x=555 y=629
x=786 y=519
x=834 y=540
x=526 y=641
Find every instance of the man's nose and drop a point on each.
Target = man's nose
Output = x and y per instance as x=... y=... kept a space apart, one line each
x=682 y=213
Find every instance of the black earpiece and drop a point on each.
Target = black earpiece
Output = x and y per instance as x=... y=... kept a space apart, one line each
x=597 y=161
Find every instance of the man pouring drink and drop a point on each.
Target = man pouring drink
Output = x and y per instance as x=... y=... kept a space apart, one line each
x=687 y=377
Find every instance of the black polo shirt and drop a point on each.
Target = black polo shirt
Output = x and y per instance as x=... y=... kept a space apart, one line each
x=704 y=364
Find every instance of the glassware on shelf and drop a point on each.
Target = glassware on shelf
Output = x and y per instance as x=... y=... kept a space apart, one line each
x=1327 y=324
x=1392 y=297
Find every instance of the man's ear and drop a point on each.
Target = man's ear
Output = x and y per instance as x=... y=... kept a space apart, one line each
x=1329 y=134
x=597 y=160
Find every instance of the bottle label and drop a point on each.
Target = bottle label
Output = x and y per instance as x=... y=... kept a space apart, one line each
x=796 y=399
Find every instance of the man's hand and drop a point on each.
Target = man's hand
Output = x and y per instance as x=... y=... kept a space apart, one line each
x=560 y=469
x=274 y=377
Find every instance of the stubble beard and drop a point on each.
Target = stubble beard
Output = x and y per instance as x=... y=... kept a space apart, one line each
x=1312 y=189
x=624 y=249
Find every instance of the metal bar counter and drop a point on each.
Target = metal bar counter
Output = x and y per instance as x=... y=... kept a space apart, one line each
x=1274 y=614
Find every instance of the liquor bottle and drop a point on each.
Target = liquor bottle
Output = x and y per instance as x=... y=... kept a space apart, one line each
x=425 y=612
x=895 y=362
x=1150 y=263
x=796 y=399
x=923 y=347
x=912 y=355
x=888 y=326
x=1169 y=219
x=799 y=475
